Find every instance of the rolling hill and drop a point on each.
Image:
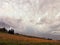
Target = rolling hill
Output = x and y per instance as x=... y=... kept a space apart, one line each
x=13 y=39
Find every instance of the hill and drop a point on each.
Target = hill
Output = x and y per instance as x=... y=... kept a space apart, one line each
x=13 y=39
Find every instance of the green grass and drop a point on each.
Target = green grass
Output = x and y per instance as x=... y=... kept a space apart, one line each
x=10 y=43
x=25 y=43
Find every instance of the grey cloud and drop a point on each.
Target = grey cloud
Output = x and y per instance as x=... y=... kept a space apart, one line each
x=33 y=17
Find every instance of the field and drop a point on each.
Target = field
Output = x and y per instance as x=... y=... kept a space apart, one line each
x=10 y=39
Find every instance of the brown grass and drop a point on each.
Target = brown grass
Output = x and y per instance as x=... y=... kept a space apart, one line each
x=7 y=37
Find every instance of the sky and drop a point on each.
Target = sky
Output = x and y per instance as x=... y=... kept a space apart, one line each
x=39 y=18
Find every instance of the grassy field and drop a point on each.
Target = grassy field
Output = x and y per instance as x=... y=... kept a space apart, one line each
x=9 y=39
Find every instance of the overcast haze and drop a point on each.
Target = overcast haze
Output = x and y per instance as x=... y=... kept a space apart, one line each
x=31 y=17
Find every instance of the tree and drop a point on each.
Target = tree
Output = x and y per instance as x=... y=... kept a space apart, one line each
x=3 y=29
x=49 y=39
x=11 y=31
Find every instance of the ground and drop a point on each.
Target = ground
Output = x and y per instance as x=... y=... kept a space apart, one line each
x=13 y=39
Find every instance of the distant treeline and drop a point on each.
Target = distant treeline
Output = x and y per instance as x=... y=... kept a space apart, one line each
x=11 y=31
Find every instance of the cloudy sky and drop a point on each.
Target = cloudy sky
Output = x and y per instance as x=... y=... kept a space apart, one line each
x=31 y=17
